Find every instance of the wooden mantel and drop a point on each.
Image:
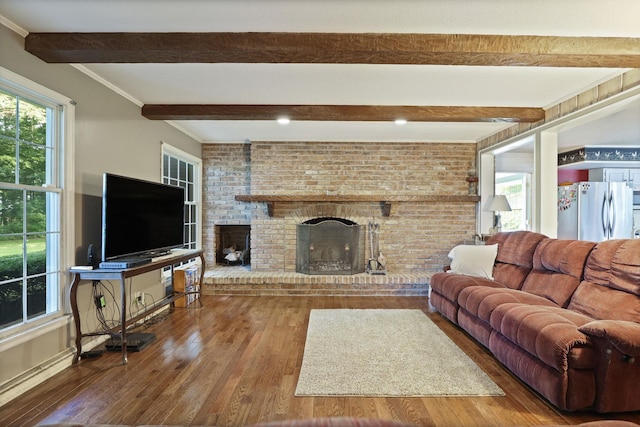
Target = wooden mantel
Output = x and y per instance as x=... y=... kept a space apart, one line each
x=384 y=200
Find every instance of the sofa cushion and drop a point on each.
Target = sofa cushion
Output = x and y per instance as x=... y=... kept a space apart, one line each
x=611 y=285
x=481 y=301
x=557 y=269
x=515 y=256
x=473 y=260
x=549 y=333
x=450 y=285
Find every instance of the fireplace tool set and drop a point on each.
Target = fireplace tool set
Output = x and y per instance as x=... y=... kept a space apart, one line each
x=377 y=263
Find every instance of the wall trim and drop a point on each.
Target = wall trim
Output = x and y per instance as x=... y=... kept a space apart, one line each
x=35 y=376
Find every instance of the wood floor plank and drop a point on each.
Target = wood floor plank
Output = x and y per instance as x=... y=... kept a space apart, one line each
x=236 y=360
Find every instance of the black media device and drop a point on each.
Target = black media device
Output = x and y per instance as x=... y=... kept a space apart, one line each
x=136 y=341
x=91 y=257
x=140 y=219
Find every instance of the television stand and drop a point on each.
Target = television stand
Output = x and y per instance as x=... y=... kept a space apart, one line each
x=121 y=275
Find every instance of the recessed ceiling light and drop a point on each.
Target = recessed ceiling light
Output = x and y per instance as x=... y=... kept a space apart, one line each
x=400 y=121
x=284 y=120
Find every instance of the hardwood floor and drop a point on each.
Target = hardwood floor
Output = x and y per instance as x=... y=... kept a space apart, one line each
x=235 y=361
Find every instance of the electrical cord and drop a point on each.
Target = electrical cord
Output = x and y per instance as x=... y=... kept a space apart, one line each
x=108 y=317
x=97 y=292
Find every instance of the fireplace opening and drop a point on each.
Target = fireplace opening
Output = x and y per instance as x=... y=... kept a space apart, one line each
x=233 y=244
x=329 y=246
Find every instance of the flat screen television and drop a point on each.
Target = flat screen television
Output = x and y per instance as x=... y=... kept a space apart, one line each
x=140 y=217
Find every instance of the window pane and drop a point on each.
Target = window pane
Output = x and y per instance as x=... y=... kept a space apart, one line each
x=11 y=257
x=36 y=296
x=182 y=171
x=189 y=193
x=33 y=122
x=8 y=108
x=190 y=176
x=36 y=212
x=165 y=168
x=11 y=212
x=173 y=168
x=33 y=164
x=10 y=304
x=8 y=158
x=36 y=254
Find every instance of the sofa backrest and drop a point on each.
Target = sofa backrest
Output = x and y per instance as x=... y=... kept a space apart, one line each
x=515 y=256
x=558 y=267
x=611 y=285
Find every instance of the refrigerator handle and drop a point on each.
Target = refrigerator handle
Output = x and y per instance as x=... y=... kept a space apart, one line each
x=605 y=217
x=612 y=216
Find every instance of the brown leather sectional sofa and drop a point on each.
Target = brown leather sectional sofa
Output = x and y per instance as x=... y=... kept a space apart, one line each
x=562 y=315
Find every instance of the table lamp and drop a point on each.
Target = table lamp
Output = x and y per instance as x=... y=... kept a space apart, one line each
x=497 y=205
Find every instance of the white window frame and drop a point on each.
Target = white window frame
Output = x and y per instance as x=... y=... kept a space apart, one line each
x=64 y=176
x=172 y=151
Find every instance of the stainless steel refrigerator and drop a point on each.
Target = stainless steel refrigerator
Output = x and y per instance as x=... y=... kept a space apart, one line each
x=595 y=211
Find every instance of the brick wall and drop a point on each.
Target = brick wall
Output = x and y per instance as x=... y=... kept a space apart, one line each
x=416 y=236
x=226 y=172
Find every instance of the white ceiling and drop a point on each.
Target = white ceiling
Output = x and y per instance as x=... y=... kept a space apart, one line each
x=333 y=83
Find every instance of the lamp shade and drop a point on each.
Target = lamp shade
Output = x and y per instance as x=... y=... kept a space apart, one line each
x=499 y=204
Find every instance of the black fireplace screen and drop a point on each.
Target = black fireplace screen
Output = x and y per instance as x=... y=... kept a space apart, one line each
x=329 y=246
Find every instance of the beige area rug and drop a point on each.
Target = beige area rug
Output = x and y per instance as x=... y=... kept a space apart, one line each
x=385 y=353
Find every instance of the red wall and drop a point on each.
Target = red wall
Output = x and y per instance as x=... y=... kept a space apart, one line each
x=570 y=175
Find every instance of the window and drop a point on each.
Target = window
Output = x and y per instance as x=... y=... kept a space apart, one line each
x=32 y=219
x=183 y=170
x=518 y=191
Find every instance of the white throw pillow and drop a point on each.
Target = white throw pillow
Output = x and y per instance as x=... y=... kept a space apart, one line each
x=473 y=260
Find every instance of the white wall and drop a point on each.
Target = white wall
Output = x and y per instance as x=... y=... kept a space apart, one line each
x=111 y=136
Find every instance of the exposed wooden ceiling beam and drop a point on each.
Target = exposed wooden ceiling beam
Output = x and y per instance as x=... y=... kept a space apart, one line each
x=343 y=113
x=336 y=48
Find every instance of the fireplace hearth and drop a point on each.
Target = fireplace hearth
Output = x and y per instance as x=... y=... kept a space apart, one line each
x=331 y=246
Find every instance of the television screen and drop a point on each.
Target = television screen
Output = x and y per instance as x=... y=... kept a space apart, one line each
x=140 y=217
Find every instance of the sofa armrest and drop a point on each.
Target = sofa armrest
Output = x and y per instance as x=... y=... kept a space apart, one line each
x=623 y=335
x=617 y=343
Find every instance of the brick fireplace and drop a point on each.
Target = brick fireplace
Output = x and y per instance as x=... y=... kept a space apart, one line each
x=415 y=234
